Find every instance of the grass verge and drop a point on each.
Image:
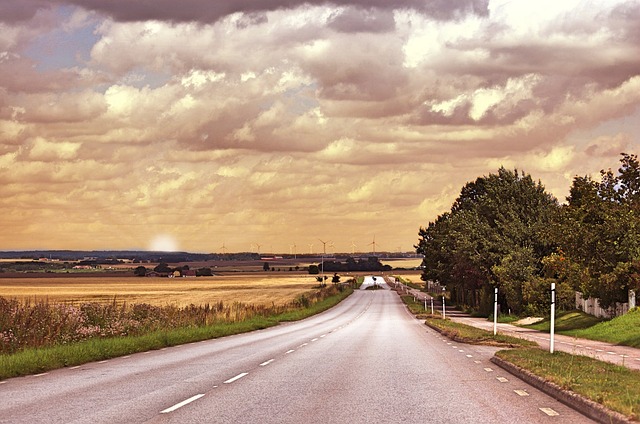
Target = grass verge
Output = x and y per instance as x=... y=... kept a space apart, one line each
x=622 y=330
x=461 y=332
x=615 y=387
x=34 y=361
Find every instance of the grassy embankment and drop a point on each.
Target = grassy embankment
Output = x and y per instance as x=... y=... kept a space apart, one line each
x=38 y=360
x=623 y=330
x=616 y=387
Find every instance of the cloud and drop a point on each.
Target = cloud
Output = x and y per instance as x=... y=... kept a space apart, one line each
x=241 y=120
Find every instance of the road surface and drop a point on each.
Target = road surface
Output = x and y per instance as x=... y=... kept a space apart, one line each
x=365 y=361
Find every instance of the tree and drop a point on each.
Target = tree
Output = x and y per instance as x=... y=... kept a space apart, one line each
x=335 y=279
x=497 y=224
x=163 y=268
x=140 y=271
x=600 y=231
x=265 y=266
x=313 y=269
x=204 y=272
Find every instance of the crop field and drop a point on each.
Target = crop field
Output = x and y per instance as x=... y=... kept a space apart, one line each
x=403 y=263
x=260 y=289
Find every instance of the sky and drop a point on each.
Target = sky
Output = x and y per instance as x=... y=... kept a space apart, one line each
x=270 y=125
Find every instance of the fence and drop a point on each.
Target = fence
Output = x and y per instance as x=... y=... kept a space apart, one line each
x=592 y=306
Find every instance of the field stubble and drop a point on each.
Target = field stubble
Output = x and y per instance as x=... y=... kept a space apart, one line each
x=253 y=289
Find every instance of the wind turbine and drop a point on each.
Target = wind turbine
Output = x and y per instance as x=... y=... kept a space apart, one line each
x=311 y=249
x=353 y=248
x=374 y=245
x=292 y=250
x=258 y=246
x=324 y=252
x=223 y=248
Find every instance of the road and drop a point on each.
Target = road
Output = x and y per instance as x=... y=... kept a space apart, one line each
x=365 y=361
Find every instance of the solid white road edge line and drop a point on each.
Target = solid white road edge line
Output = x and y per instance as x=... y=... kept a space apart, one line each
x=181 y=404
x=237 y=377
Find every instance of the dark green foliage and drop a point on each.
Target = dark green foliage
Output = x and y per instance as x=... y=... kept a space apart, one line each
x=495 y=235
x=599 y=233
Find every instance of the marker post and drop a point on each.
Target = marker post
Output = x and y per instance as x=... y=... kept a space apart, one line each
x=553 y=316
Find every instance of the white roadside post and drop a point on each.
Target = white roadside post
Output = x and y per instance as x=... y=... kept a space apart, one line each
x=495 y=312
x=431 y=305
x=553 y=316
x=425 y=303
x=444 y=316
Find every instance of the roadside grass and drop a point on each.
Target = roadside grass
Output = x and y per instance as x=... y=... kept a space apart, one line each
x=623 y=330
x=461 y=332
x=566 y=322
x=615 y=387
x=39 y=360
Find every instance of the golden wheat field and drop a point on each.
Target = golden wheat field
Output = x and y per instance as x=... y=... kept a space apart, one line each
x=253 y=289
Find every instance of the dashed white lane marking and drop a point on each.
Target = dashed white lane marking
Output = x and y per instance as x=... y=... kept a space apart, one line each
x=521 y=392
x=611 y=353
x=502 y=379
x=314 y=340
x=324 y=335
x=75 y=368
x=304 y=344
x=478 y=362
x=265 y=363
x=3 y=382
x=236 y=378
x=550 y=412
x=125 y=357
x=146 y=353
x=181 y=404
x=102 y=362
x=289 y=351
x=469 y=356
x=461 y=351
x=488 y=370
x=41 y=374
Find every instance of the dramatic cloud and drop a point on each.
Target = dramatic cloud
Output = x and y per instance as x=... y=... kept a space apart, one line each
x=278 y=122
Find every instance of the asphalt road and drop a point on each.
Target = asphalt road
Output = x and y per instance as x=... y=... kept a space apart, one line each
x=365 y=361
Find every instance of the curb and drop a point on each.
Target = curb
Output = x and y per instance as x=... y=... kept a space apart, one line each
x=581 y=404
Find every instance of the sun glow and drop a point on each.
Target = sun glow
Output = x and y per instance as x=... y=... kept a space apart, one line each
x=163 y=243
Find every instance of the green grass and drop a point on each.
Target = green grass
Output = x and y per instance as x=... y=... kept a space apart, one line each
x=623 y=330
x=461 y=332
x=34 y=361
x=616 y=387
x=566 y=322
x=467 y=334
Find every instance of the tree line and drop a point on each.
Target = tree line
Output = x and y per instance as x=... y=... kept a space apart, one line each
x=505 y=230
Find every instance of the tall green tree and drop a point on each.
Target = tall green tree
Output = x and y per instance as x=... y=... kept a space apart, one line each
x=600 y=231
x=495 y=235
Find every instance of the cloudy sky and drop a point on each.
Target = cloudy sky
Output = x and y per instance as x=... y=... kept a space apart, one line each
x=195 y=124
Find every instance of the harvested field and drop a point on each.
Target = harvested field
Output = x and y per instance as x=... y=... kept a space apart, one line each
x=252 y=289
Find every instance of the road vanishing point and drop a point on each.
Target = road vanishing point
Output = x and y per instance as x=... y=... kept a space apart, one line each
x=367 y=360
